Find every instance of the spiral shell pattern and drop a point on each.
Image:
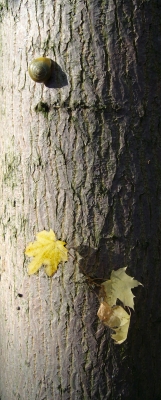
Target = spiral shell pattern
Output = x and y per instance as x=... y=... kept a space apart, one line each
x=40 y=69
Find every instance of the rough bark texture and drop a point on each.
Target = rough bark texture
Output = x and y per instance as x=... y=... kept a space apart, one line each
x=80 y=155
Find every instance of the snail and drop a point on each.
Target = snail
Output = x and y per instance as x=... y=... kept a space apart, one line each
x=40 y=69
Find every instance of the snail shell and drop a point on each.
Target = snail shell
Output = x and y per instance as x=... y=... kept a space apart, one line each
x=40 y=69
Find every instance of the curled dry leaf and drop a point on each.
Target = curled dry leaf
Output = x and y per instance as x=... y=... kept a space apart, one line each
x=46 y=250
x=115 y=318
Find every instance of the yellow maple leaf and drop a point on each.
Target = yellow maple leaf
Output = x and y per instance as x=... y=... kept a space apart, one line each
x=119 y=287
x=115 y=318
x=46 y=250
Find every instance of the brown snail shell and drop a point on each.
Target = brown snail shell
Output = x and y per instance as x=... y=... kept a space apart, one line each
x=40 y=69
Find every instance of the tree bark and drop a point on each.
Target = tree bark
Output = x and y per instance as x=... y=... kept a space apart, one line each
x=80 y=155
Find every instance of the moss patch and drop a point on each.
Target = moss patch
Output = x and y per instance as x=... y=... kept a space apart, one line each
x=42 y=108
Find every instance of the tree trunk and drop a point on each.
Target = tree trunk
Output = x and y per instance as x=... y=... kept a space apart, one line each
x=80 y=155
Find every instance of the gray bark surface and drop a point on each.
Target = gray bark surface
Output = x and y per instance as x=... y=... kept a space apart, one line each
x=80 y=155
